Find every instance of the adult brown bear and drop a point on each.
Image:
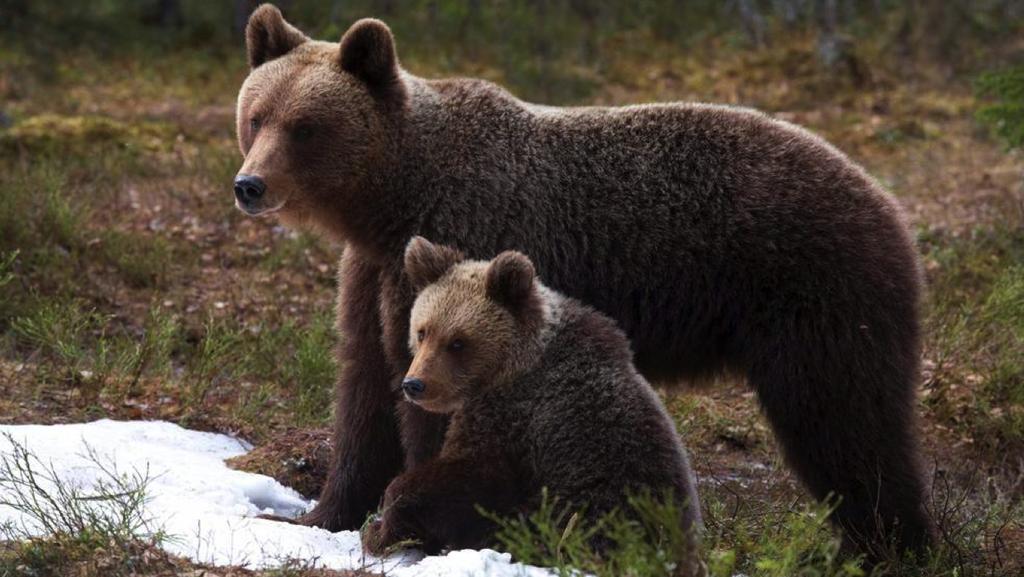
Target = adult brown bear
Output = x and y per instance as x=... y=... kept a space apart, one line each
x=718 y=239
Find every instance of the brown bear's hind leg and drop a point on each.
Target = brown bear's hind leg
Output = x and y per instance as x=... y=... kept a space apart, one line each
x=842 y=408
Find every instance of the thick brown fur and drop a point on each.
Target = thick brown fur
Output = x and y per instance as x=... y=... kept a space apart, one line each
x=716 y=237
x=542 y=393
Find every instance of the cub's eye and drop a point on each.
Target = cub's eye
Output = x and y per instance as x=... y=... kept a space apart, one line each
x=254 y=125
x=419 y=335
x=456 y=345
x=302 y=132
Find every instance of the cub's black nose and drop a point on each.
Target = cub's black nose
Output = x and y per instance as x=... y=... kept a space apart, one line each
x=413 y=387
x=249 y=189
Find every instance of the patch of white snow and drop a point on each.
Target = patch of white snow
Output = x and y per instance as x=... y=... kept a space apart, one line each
x=208 y=509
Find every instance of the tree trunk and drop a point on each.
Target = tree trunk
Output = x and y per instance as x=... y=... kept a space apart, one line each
x=753 y=22
x=829 y=48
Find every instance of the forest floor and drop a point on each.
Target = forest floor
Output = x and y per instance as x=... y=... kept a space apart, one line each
x=131 y=288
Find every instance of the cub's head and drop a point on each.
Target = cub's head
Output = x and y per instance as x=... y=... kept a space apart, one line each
x=474 y=324
x=311 y=117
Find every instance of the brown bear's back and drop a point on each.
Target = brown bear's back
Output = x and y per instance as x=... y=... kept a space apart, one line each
x=691 y=225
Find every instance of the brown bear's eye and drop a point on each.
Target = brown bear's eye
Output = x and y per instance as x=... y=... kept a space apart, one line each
x=302 y=132
x=456 y=345
x=254 y=125
x=419 y=335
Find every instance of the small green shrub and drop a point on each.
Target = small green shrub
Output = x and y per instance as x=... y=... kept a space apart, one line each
x=648 y=541
x=37 y=211
x=142 y=260
x=62 y=521
x=215 y=359
x=62 y=330
x=112 y=510
x=805 y=546
x=6 y=264
x=755 y=536
x=150 y=353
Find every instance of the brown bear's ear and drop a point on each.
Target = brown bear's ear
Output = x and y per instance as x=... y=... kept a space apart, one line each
x=268 y=36
x=510 y=279
x=426 y=262
x=368 y=53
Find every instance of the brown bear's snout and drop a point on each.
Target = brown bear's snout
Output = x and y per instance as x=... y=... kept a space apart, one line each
x=249 y=190
x=413 y=388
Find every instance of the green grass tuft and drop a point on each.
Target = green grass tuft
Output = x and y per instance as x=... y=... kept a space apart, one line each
x=37 y=213
x=61 y=330
x=312 y=373
x=142 y=260
x=6 y=267
x=976 y=336
x=214 y=361
x=645 y=541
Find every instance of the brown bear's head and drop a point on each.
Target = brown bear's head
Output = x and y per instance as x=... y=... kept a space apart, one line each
x=310 y=117
x=474 y=324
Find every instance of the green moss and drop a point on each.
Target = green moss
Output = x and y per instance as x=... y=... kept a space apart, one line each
x=58 y=134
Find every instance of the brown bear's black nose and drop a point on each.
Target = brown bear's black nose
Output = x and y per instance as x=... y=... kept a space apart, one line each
x=413 y=387
x=249 y=189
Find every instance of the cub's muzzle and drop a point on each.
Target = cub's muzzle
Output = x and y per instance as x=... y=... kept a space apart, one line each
x=413 y=388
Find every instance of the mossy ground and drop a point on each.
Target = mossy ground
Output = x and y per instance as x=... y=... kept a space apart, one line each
x=131 y=288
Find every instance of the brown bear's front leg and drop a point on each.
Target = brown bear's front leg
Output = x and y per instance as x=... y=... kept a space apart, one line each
x=367 y=447
x=436 y=505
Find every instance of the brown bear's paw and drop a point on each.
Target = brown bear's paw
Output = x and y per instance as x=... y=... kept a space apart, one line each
x=324 y=518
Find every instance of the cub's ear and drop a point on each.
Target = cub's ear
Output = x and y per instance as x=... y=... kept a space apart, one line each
x=510 y=279
x=268 y=36
x=368 y=53
x=426 y=262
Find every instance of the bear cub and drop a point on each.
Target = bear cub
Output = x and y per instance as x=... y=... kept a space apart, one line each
x=542 y=393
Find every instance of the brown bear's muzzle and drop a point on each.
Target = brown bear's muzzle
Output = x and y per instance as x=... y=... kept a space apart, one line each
x=249 y=192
